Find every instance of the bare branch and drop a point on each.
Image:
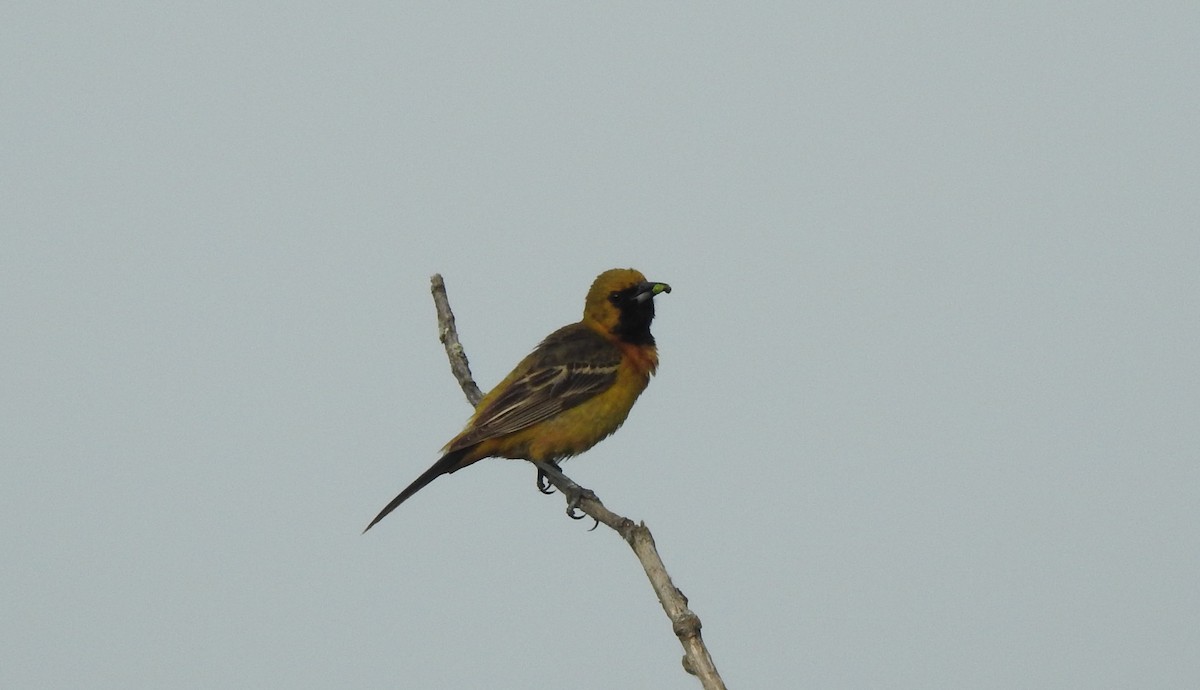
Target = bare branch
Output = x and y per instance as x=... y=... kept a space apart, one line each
x=448 y=334
x=685 y=623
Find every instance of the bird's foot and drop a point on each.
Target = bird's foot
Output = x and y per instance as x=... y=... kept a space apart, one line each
x=574 y=493
x=543 y=482
x=576 y=496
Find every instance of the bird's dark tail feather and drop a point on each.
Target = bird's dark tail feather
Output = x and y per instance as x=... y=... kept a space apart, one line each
x=447 y=464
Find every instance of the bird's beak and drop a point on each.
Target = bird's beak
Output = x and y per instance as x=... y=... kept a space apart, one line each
x=648 y=290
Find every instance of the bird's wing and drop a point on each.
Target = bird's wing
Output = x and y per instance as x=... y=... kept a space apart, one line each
x=569 y=367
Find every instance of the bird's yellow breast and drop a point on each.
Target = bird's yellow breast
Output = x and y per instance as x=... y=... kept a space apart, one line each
x=575 y=430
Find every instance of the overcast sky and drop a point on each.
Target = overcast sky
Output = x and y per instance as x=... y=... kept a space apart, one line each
x=927 y=414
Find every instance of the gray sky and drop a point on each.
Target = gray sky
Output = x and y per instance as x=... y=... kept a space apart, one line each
x=927 y=410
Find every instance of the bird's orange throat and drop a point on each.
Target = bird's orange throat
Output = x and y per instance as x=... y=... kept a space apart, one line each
x=640 y=358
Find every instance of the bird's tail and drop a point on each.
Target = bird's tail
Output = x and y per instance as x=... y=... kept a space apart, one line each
x=447 y=464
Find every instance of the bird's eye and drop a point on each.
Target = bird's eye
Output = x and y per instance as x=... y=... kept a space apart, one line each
x=614 y=297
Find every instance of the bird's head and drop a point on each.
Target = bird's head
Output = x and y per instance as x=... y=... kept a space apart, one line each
x=621 y=303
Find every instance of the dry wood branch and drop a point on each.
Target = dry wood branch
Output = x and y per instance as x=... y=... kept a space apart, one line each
x=448 y=334
x=685 y=623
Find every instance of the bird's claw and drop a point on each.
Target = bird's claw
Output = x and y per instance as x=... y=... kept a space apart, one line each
x=574 y=499
x=543 y=483
x=574 y=493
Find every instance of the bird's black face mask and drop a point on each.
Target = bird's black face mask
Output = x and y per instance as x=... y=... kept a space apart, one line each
x=636 y=305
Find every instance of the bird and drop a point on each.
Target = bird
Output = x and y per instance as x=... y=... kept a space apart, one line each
x=574 y=390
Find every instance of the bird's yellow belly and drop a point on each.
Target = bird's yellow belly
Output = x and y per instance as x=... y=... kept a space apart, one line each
x=575 y=430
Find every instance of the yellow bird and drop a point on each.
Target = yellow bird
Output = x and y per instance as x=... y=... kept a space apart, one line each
x=574 y=390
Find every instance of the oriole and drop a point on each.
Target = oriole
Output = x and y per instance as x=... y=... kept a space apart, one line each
x=574 y=390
